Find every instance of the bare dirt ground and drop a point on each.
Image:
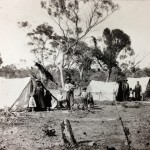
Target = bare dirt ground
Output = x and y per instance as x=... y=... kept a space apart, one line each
x=24 y=130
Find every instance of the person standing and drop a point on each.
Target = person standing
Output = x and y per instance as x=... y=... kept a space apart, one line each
x=90 y=100
x=72 y=88
x=125 y=90
x=67 y=89
x=138 y=90
x=32 y=104
x=84 y=96
x=39 y=95
x=60 y=99
x=47 y=100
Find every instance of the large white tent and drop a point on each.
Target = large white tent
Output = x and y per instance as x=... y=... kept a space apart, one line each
x=14 y=92
x=102 y=90
x=144 y=82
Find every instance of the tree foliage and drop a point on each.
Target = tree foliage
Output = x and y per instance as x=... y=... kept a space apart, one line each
x=114 y=42
x=73 y=25
x=40 y=42
x=82 y=58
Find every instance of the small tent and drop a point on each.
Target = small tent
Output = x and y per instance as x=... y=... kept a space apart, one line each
x=144 y=82
x=102 y=90
x=14 y=93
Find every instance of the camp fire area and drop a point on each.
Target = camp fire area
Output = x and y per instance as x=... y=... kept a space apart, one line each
x=99 y=128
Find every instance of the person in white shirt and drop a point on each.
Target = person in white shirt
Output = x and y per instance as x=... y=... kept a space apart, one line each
x=131 y=94
x=67 y=89
x=60 y=99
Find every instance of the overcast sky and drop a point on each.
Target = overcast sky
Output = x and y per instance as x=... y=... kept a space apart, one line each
x=132 y=17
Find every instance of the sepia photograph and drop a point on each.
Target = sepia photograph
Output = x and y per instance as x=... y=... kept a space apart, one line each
x=74 y=75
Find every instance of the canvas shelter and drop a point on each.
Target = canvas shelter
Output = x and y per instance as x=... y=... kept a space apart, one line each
x=15 y=92
x=144 y=82
x=102 y=90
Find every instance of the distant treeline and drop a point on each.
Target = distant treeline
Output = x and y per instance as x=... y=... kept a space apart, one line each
x=11 y=71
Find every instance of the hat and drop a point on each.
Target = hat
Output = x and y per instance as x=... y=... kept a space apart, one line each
x=84 y=88
x=125 y=79
x=38 y=80
x=68 y=78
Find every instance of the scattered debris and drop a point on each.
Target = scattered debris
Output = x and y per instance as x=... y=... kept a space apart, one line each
x=92 y=144
x=49 y=131
x=111 y=148
x=84 y=133
x=131 y=105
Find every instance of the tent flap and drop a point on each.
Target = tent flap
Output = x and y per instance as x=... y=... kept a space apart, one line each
x=14 y=89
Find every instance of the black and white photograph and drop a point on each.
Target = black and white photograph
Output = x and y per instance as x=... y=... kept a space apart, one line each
x=74 y=75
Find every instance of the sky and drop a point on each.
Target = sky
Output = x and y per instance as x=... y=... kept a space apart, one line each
x=132 y=17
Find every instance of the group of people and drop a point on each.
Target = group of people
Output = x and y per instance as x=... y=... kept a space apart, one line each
x=129 y=93
x=40 y=98
x=86 y=98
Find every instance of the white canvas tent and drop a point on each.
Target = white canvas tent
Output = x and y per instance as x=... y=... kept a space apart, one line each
x=102 y=90
x=144 y=82
x=14 y=92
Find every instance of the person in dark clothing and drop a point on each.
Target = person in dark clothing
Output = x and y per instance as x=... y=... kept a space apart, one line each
x=125 y=90
x=90 y=100
x=39 y=95
x=72 y=88
x=138 y=90
x=119 y=94
x=84 y=96
x=47 y=100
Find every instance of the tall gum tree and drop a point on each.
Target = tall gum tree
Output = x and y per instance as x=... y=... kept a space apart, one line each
x=73 y=23
x=74 y=20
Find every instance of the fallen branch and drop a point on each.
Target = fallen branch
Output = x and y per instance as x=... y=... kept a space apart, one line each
x=125 y=129
x=67 y=134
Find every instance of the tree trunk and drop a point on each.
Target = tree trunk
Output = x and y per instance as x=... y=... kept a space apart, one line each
x=67 y=133
x=109 y=74
x=60 y=66
x=81 y=73
x=81 y=76
x=61 y=76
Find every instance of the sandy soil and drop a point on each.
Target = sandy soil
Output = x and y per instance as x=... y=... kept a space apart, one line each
x=24 y=130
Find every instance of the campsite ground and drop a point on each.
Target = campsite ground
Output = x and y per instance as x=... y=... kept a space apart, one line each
x=24 y=130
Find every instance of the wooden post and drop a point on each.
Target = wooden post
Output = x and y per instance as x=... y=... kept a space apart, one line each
x=67 y=133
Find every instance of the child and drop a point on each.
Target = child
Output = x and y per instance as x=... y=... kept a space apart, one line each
x=32 y=103
x=131 y=94
x=84 y=96
x=47 y=100
x=60 y=99
x=90 y=100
